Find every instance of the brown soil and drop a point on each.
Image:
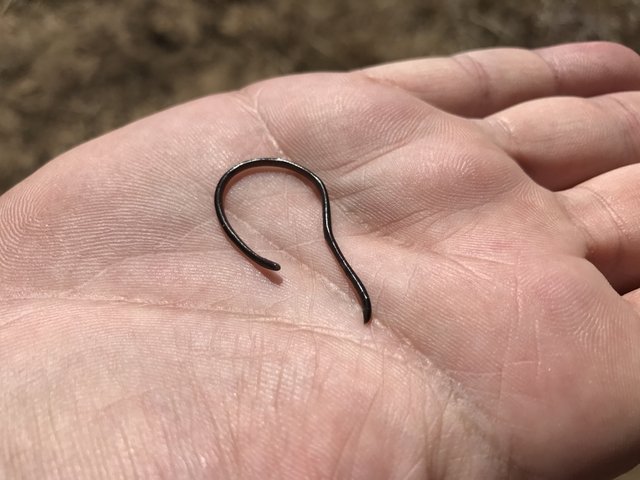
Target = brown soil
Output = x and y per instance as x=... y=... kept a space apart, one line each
x=71 y=70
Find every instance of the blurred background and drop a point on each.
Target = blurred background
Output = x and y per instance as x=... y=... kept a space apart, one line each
x=72 y=70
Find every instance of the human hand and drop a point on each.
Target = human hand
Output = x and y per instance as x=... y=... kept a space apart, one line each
x=136 y=341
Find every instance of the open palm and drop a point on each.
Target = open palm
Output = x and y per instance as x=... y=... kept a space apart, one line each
x=483 y=200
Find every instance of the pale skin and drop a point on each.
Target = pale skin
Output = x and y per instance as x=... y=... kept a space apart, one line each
x=490 y=202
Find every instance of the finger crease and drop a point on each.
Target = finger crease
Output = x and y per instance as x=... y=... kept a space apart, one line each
x=477 y=71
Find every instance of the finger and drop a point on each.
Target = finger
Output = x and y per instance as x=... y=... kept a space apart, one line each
x=479 y=83
x=577 y=138
x=606 y=209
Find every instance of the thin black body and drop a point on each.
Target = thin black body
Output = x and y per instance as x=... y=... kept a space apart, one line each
x=326 y=224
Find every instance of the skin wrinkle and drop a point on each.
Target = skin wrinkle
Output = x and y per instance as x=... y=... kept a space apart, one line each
x=536 y=325
x=105 y=413
x=434 y=246
x=586 y=238
x=488 y=261
x=554 y=76
x=179 y=243
x=386 y=82
x=14 y=321
x=344 y=448
x=382 y=281
x=40 y=440
x=342 y=172
x=200 y=398
x=413 y=471
x=338 y=197
x=478 y=73
x=231 y=457
x=355 y=433
x=235 y=419
x=121 y=262
x=507 y=349
x=128 y=450
x=289 y=326
x=102 y=454
x=450 y=453
x=630 y=127
x=464 y=267
x=252 y=107
x=435 y=448
x=353 y=217
x=293 y=391
x=614 y=219
x=58 y=439
x=392 y=227
x=454 y=456
x=317 y=385
x=495 y=123
x=410 y=280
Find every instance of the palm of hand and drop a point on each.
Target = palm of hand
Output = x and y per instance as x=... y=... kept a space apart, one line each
x=499 y=345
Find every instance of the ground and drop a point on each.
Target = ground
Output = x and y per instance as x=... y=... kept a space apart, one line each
x=71 y=70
